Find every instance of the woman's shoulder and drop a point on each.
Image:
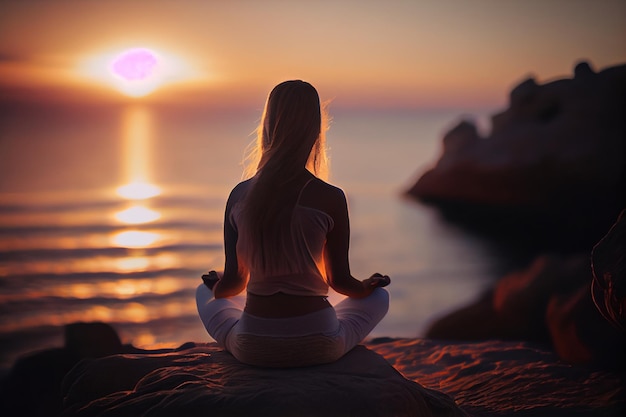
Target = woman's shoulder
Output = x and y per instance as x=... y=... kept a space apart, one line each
x=323 y=196
x=242 y=186
x=317 y=185
x=240 y=190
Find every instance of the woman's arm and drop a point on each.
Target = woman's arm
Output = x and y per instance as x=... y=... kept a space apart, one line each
x=235 y=276
x=336 y=254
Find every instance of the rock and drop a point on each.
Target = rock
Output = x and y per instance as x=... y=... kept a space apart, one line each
x=590 y=325
x=515 y=308
x=209 y=381
x=551 y=302
x=92 y=340
x=401 y=377
x=473 y=322
x=94 y=373
x=508 y=378
x=520 y=299
x=462 y=137
x=523 y=93
x=490 y=378
x=609 y=274
x=33 y=385
x=579 y=333
x=555 y=156
x=583 y=70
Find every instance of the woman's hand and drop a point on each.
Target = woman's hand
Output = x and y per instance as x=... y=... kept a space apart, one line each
x=377 y=280
x=210 y=279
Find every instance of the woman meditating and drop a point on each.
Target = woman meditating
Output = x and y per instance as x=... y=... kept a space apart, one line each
x=286 y=239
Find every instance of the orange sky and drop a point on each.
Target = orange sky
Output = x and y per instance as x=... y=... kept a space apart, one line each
x=366 y=53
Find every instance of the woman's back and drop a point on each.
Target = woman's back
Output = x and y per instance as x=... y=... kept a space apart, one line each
x=299 y=267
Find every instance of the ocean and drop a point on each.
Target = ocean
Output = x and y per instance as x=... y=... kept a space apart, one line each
x=112 y=213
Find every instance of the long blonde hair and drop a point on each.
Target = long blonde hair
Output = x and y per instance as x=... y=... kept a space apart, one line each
x=291 y=136
x=318 y=162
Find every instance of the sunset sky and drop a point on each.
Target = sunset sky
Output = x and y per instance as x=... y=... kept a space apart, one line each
x=365 y=53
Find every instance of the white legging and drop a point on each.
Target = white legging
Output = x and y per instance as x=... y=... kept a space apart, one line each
x=337 y=329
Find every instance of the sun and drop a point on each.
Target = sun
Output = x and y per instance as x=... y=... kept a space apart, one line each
x=137 y=71
x=135 y=65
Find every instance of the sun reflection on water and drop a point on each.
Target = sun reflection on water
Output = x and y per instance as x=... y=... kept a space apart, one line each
x=144 y=339
x=138 y=191
x=137 y=215
x=135 y=239
x=137 y=313
x=136 y=134
x=122 y=288
x=134 y=263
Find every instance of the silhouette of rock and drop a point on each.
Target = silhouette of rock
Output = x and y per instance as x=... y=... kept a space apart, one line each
x=209 y=381
x=92 y=340
x=400 y=377
x=515 y=308
x=33 y=385
x=579 y=334
x=590 y=325
x=551 y=302
x=389 y=377
x=555 y=156
x=88 y=375
x=609 y=274
x=520 y=299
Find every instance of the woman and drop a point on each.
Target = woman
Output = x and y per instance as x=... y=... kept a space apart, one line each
x=286 y=238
